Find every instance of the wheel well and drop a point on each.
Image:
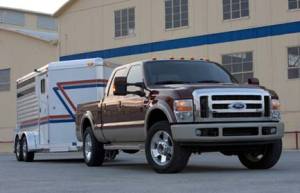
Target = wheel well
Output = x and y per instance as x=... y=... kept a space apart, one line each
x=156 y=116
x=86 y=123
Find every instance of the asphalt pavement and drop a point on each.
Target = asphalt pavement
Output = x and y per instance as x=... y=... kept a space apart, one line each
x=207 y=173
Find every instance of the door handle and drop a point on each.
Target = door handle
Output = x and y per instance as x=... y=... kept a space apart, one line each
x=120 y=104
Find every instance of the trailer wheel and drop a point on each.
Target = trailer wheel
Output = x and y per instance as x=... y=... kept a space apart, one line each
x=27 y=156
x=93 y=151
x=18 y=149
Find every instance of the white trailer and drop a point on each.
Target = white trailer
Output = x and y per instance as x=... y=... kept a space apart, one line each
x=46 y=104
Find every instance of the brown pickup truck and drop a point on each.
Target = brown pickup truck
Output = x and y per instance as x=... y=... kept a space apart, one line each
x=173 y=108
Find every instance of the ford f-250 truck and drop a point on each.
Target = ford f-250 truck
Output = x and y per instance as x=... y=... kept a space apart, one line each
x=172 y=108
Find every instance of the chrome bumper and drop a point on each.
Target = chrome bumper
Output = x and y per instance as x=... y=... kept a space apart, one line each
x=190 y=132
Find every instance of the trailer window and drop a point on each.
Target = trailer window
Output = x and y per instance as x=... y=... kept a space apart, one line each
x=43 y=86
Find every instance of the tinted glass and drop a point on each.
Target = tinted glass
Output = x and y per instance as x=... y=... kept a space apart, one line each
x=135 y=76
x=180 y=72
x=120 y=73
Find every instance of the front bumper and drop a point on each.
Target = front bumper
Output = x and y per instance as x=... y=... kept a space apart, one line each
x=190 y=132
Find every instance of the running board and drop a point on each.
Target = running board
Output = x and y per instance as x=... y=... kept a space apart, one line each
x=124 y=146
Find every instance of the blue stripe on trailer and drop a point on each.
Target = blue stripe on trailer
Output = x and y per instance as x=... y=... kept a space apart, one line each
x=55 y=89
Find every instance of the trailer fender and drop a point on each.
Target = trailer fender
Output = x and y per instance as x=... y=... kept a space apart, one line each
x=32 y=139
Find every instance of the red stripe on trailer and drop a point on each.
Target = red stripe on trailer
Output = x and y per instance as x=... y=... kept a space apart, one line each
x=47 y=118
x=61 y=85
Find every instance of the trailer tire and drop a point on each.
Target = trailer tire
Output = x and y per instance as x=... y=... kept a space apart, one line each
x=93 y=151
x=27 y=156
x=162 y=152
x=18 y=149
x=265 y=159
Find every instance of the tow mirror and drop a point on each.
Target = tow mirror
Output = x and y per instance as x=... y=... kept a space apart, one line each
x=253 y=81
x=120 y=86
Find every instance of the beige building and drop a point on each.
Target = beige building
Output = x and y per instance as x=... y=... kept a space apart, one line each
x=259 y=38
x=27 y=41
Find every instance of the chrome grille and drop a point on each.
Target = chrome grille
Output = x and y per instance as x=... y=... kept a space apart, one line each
x=231 y=104
x=234 y=106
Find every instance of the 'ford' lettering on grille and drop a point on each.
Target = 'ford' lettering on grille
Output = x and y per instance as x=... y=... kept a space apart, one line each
x=238 y=106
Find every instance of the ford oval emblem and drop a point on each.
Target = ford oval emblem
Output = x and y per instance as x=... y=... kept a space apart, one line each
x=237 y=106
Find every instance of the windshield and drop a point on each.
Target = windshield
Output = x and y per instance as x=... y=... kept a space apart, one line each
x=185 y=72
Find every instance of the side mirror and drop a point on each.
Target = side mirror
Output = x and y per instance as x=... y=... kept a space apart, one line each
x=120 y=86
x=253 y=81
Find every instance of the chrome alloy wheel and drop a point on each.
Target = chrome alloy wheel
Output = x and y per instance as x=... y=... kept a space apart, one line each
x=254 y=157
x=162 y=148
x=88 y=147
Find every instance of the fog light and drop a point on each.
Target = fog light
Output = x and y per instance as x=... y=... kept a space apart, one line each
x=269 y=130
x=207 y=132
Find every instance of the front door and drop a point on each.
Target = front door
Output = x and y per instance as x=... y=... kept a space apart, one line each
x=43 y=104
x=134 y=106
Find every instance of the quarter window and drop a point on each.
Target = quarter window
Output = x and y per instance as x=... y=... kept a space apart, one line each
x=124 y=22
x=234 y=9
x=5 y=80
x=294 y=4
x=176 y=13
x=240 y=65
x=294 y=62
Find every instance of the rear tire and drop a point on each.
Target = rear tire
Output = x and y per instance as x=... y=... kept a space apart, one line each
x=93 y=151
x=27 y=156
x=18 y=149
x=162 y=152
x=264 y=159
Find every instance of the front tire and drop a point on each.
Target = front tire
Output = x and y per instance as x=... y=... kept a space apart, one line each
x=93 y=151
x=162 y=152
x=27 y=156
x=264 y=159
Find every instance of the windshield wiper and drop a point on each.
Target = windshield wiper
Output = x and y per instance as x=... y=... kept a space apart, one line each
x=209 y=81
x=171 y=82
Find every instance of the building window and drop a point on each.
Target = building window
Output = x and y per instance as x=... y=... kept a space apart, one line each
x=176 y=13
x=47 y=23
x=234 y=9
x=294 y=4
x=124 y=22
x=294 y=62
x=5 y=80
x=240 y=65
x=12 y=17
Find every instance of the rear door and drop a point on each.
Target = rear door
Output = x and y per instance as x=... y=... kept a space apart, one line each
x=44 y=111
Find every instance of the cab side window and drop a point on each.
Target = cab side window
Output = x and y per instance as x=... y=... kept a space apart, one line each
x=135 y=75
x=120 y=73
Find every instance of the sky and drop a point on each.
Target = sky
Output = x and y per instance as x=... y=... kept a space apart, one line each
x=44 y=6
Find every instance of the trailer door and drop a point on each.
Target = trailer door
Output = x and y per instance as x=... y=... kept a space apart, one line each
x=44 y=115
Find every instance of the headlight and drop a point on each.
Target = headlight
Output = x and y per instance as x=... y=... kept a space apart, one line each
x=276 y=115
x=183 y=110
x=275 y=104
